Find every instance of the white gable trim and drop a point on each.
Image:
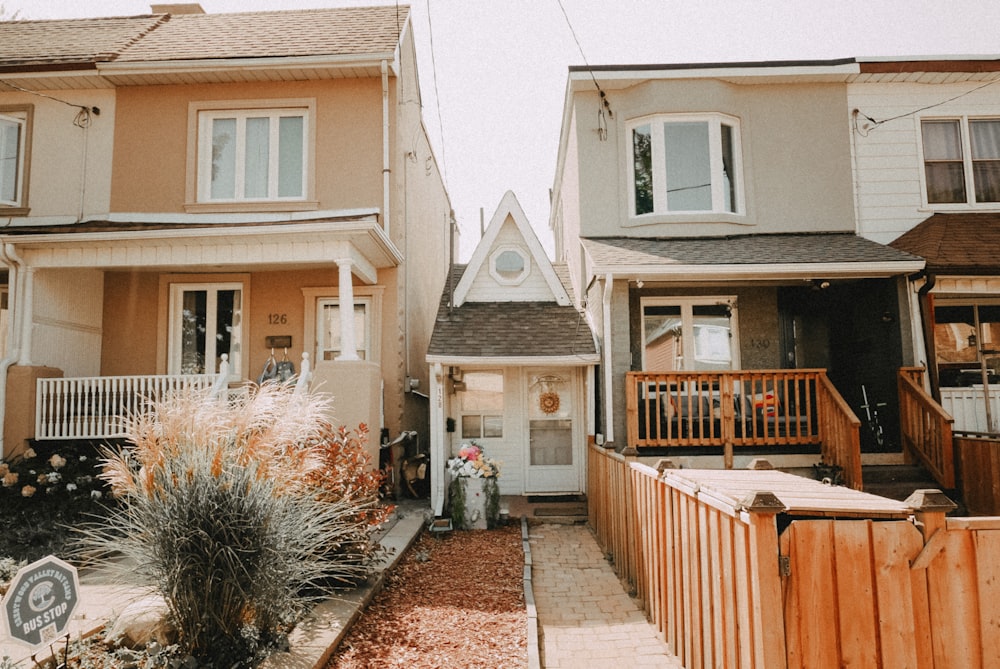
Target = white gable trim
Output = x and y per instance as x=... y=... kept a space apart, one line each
x=509 y=206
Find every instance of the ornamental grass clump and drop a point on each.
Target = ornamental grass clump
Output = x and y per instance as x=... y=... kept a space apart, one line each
x=240 y=515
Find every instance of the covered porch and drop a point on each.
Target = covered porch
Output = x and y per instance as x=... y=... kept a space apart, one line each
x=109 y=315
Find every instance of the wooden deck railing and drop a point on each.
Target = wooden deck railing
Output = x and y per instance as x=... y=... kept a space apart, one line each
x=926 y=429
x=733 y=409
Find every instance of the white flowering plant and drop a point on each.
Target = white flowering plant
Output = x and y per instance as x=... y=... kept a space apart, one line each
x=471 y=462
x=44 y=490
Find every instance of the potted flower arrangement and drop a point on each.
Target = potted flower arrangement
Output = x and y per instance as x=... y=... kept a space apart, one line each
x=473 y=493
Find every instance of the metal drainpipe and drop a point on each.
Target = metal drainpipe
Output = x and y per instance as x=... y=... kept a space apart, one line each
x=925 y=322
x=10 y=257
x=385 y=147
x=609 y=414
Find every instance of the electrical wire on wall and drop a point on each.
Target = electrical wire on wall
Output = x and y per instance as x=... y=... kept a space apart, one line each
x=864 y=129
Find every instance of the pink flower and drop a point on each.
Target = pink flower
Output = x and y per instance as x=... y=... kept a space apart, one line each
x=9 y=479
x=57 y=461
x=27 y=491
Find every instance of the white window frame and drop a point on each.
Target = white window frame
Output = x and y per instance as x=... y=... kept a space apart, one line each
x=687 y=305
x=965 y=137
x=515 y=280
x=660 y=187
x=371 y=296
x=19 y=116
x=364 y=345
x=490 y=416
x=175 y=331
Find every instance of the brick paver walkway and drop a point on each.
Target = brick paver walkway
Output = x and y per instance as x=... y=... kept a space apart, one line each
x=587 y=619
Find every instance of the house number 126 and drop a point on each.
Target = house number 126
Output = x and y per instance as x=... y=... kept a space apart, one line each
x=277 y=319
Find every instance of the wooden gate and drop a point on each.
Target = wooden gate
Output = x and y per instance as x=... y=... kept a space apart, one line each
x=868 y=593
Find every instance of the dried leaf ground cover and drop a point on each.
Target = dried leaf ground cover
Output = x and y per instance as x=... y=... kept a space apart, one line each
x=456 y=601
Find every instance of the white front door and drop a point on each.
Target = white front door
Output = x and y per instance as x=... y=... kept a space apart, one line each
x=554 y=455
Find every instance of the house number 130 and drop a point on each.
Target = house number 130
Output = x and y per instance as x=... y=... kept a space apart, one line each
x=277 y=319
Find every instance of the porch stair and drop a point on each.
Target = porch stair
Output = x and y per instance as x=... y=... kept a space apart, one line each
x=562 y=510
x=899 y=481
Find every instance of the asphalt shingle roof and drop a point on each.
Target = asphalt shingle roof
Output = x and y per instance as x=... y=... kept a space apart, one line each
x=341 y=31
x=742 y=250
x=965 y=242
x=345 y=31
x=509 y=329
x=70 y=41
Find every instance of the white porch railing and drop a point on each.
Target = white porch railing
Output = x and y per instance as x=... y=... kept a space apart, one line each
x=96 y=407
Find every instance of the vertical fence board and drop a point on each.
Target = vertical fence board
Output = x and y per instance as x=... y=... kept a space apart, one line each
x=902 y=641
x=987 y=547
x=952 y=599
x=855 y=591
x=814 y=593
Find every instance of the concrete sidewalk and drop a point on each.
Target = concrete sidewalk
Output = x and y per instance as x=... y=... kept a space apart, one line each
x=585 y=617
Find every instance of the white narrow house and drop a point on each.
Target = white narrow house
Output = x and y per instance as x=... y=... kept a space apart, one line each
x=512 y=360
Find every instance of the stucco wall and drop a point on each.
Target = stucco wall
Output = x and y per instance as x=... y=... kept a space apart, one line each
x=795 y=152
x=152 y=139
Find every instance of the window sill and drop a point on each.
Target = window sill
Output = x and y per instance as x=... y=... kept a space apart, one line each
x=707 y=217
x=14 y=212
x=249 y=207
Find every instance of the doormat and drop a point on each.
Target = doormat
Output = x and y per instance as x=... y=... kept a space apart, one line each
x=576 y=509
x=553 y=499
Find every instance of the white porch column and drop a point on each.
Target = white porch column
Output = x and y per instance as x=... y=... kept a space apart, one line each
x=348 y=346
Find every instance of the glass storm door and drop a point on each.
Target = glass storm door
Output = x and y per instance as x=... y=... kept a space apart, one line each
x=553 y=453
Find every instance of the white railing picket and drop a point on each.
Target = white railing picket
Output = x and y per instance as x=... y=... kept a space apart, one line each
x=94 y=407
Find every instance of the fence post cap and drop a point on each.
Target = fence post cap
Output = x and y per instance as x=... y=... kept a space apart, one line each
x=930 y=500
x=664 y=464
x=760 y=464
x=762 y=502
x=630 y=451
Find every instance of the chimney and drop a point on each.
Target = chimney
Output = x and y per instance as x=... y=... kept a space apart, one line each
x=180 y=8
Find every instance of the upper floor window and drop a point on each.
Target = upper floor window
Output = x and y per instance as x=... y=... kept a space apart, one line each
x=14 y=132
x=685 y=164
x=252 y=155
x=509 y=266
x=961 y=160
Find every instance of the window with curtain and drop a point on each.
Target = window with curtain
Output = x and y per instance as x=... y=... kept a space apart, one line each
x=961 y=160
x=685 y=164
x=252 y=155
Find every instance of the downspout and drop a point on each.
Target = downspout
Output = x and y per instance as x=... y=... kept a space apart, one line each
x=926 y=320
x=386 y=171
x=15 y=263
x=438 y=433
x=609 y=414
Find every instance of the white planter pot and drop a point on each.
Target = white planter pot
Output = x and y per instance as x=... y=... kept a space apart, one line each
x=477 y=491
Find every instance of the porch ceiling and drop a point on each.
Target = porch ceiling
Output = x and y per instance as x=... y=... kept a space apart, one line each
x=262 y=245
x=768 y=257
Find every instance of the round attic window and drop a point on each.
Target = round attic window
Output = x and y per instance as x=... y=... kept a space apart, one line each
x=509 y=266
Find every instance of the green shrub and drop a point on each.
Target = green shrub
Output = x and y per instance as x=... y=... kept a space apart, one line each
x=240 y=515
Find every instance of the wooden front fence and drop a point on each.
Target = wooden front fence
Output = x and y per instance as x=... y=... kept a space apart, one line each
x=734 y=409
x=978 y=463
x=726 y=589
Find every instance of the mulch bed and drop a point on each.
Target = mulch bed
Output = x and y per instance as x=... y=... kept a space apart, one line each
x=453 y=601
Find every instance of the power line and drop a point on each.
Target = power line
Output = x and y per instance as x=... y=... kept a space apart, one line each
x=602 y=124
x=437 y=98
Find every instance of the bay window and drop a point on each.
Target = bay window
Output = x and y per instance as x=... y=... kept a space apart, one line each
x=961 y=160
x=685 y=164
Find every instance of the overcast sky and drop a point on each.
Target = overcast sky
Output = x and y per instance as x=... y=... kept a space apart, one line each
x=494 y=87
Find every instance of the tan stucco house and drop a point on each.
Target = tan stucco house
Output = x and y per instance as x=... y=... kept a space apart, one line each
x=185 y=194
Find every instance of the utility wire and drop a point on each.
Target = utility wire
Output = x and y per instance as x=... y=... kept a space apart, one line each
x=936 y=104
x=82 y=118
x=437 y=98
x=602 y=126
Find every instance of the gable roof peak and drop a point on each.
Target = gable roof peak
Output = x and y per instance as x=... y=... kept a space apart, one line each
x=510 y=208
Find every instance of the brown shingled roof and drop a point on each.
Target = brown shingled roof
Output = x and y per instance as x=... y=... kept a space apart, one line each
x=509 y=330
x=70 y=41
x=968 y=243
x=764 y=249
x=341 y=31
